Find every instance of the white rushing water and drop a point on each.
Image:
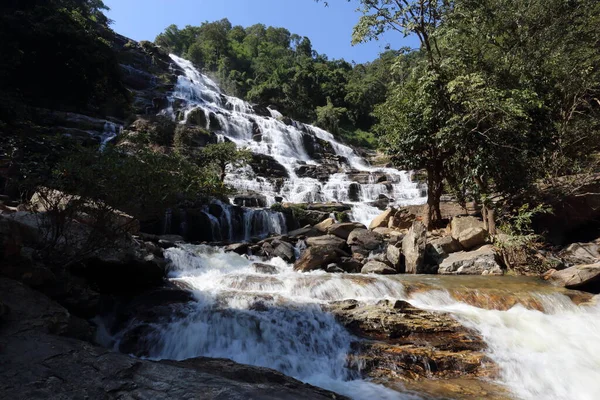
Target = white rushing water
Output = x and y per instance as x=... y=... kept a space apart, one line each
x=274 y=320
x=235 y=120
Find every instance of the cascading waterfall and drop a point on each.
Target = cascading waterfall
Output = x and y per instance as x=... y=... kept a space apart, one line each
x=276 y=321
x=236 y=120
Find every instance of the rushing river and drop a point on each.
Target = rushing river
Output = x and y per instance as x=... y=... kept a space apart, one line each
x=275 y=320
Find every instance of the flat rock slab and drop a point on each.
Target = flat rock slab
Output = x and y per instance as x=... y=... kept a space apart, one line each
x=478 y=262
x=583 y=277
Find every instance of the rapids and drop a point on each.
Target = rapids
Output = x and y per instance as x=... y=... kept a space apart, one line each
x=275 y=320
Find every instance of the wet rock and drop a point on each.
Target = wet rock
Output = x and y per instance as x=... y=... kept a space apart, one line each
x=580 y=277
x=266 y=166
x=343 y=229
x=377 y=267
x=265 y=268
x=334 y=269
x=483 y=261
x=354 y=191
x=169 y=241
x=350 y=265
x=327 y=240
x=383 y=219
x=251 y=200
x=197 y=117
x=323 y=226
x=410 y=343
x=461 y=224
x=318 y=257
x=283 y=250
x=472 y=238
x=305 y=232
x=364 y=241
x=239 y=248
x=413 y=248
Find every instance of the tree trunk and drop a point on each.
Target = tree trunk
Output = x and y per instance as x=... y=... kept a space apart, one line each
x=435 y=186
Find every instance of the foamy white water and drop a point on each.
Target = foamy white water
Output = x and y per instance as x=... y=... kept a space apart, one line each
x=287 y=144
x=275 y=321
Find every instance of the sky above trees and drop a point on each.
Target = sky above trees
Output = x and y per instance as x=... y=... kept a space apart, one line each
x=329 y=28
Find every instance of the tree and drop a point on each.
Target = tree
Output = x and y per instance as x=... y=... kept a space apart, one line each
x=222 y=155
x=328 y=117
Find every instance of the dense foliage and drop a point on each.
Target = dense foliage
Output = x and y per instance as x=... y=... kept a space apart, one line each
x=500 y=94
x=271 y=66
x=55 y=55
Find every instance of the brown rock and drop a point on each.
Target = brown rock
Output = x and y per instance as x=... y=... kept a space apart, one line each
x=324 y=226
x=317 y=257
x=326 y=240
x=343 y=230
x=383 y=219
x=581 y=277
x=460 y=224
x=402 y=219
x=377 y=267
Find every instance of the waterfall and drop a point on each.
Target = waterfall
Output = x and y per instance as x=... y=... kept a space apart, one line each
x=276 y=321
x=294 y=146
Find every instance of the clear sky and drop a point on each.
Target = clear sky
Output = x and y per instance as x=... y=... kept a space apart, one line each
x=329 y=28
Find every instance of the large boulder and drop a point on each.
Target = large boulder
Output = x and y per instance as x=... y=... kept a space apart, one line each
x=413 y=248
x=383 y=219
x=460 y=224
x=364 y=241
x=473 y=237
x=446 y=245
x=318 y=257
x=323 y=226
x=343 y=229
x=350 y=265
x=402 y=219
x=283 y=250
x=327 y=240
x=581 y=253
x=378 y=267
x=483 y=261
x=580 y=277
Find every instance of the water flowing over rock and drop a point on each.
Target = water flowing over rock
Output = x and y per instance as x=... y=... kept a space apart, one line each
x=296 y=162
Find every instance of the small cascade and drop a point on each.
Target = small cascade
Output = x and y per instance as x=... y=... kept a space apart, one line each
x=276 y=321
x=111 y=131
x=307 y=154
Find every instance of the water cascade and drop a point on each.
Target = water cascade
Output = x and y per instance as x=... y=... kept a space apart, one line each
x=312 y=165
x=275 y=320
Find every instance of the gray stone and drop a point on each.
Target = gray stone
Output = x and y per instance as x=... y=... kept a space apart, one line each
x=334 y=269
x=460 y=224
x=365 y=239
x=446 y=245
x=350 y=265
x=239 y=248
x=264 y=268
x=581 y=253
x=581 y=277
x=483 y=261
x=413 y=248
x=394 y=256
x=472 y=238
x=284 y=250
x=377 y=267
x=326 y=240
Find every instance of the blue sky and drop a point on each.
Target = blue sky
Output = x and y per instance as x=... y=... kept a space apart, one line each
x=329 y=28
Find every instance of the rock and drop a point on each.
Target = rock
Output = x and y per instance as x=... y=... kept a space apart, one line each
x=350 y=265
x=305 y=232
x=580 y=277
x=251 y=200
x=446 y=245
x=354 y=191
x=385 y=232
x=265 y=268
x=197 y=116
x=377 y=267
x=364 y=241
x=581 y=253
x=413 y=248
x=317 y=257
x=323 y=226
x=460 y=224
x=383 y=219
x=479 y=262
x=39 y=364
x=402 y=219
x=343 y=229
x=169 y=241
x=472 y=237
x=334 y=269
x=394 y=256
x=266 y=166
x=327 y=240
x=284 y=250
x=239 y=248
x=405 y=342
